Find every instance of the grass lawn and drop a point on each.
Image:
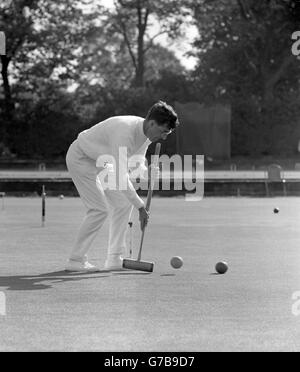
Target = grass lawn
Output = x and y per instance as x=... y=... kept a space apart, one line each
x=253 y=307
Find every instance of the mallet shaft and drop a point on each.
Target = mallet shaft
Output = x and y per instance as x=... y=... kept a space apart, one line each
x=141 y=245
x=149 y=195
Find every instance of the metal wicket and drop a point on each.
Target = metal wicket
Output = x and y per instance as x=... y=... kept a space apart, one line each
x=2 y=195
x=43 y=205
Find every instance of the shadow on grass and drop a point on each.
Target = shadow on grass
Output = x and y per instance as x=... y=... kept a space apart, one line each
x=130 y=273
x=35 y=282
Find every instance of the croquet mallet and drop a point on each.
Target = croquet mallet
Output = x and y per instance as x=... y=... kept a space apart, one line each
x=138 y=264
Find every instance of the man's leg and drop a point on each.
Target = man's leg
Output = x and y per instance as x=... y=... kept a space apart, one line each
x=121 y=210
x=88 y=231
x=84 y=173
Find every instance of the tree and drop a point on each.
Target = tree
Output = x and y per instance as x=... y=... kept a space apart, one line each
x=17 y=27
x=44 y=39
x=132 y=20
x=245 y=57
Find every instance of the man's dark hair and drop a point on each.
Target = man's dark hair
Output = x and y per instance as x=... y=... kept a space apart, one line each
x=163 y=114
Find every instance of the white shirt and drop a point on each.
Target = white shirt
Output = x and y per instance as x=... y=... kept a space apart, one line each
x=119 y=137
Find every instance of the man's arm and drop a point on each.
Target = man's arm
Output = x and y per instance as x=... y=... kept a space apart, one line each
x=119 y=150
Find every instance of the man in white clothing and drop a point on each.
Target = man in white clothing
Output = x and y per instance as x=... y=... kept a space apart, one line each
x=117 y=138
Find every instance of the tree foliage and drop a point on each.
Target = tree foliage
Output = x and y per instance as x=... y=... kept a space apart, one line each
x=43 y=39
x=245 y=58
x=73 y=63
x=132 y=20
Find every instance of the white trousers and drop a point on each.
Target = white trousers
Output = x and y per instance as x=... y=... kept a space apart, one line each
x=100 y=204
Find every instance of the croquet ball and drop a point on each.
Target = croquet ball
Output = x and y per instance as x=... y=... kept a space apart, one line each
x=61 y=196
x=221 y=267
x=176 y=262
x=276 y=210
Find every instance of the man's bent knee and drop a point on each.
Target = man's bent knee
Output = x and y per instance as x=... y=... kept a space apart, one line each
x=98 y=213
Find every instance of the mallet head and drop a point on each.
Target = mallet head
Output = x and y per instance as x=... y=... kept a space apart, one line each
x=138 y=265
